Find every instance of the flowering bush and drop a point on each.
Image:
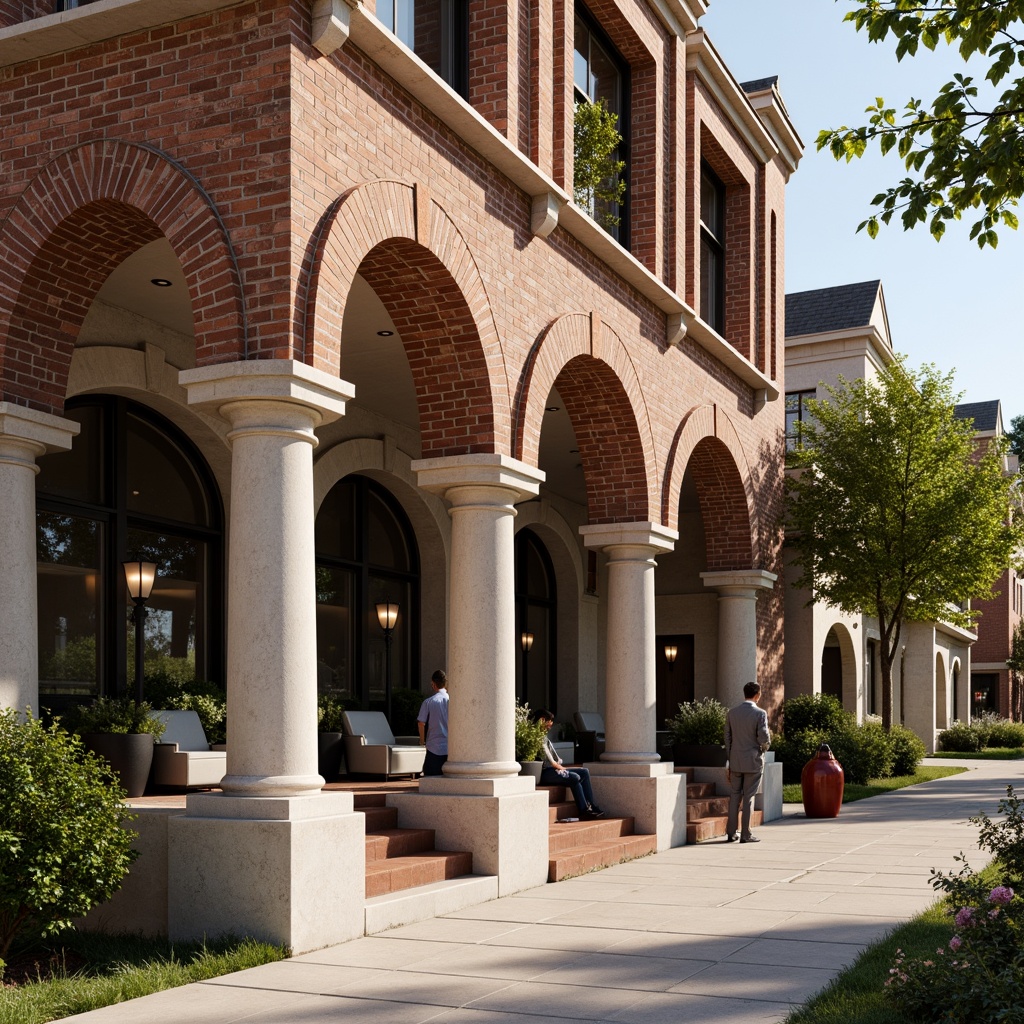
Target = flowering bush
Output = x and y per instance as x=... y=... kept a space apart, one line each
x=976 y=977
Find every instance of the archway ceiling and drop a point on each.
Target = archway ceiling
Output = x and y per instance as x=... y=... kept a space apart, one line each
x=559 y=455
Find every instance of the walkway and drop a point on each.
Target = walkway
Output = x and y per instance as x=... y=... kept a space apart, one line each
x=716 y=933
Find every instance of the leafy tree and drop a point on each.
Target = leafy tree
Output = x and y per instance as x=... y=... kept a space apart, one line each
x=893 y=511
x=597 y=175
x=964 y=151
x=63 y=847
x=1015 y=436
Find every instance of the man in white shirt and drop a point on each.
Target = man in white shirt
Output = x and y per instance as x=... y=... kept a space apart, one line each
x=432 y=722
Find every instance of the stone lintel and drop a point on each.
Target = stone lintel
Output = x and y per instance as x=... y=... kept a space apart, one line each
x=750 y=579
x=652 y=535
x=478 y=469
x=42 y=431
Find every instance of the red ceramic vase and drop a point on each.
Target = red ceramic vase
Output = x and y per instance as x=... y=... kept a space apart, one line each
x=822 y=784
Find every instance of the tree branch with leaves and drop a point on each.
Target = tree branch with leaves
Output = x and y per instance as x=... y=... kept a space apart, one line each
x=964 y=158
x=597 y=173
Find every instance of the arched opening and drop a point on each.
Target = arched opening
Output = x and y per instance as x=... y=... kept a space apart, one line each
x=832 y=666
x=132 y=486
x=366 y=554
x=941 y=708
x=536 y=622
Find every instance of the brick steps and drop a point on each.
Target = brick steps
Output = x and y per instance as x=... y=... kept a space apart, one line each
x=403 y=858
x=707 y=814
x=575 y=847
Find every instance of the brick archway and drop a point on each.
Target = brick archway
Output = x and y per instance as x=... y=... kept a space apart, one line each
x=586 y=361
x=416 y=260
x=82 y=214
x=707 y=442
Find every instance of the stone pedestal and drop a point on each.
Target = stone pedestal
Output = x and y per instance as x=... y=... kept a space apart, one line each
x=25 y=434
x=737 y=628
x=284 y=870
x=652 y=794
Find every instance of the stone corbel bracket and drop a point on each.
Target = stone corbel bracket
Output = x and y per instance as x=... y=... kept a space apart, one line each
x=544 y=213
x=675 y=328
x=330 y=24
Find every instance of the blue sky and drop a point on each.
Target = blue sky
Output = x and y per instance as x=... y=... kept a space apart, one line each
x=948 y=303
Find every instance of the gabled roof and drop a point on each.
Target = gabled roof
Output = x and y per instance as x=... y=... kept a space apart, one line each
x=838 y=308
x=986 y=415
x=760 y=84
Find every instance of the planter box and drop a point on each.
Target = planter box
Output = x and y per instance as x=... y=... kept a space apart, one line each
x=531 y=768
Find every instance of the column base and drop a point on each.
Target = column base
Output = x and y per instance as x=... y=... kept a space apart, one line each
x=480 y=769
x=503 y=823
x=630 y=757
x=267 y=867
x=271 y=786
x=652 y=794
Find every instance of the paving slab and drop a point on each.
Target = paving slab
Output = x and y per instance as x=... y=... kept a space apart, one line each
x=710 y=934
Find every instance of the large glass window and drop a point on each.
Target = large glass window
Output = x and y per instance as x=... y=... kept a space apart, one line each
x=131 y=487
x=712 y=249
x=365 y=555
x=437 y=31
x=536 y=605
x=796 y=412
x=600 y=74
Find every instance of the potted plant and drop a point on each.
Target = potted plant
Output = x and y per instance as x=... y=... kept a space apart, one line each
x=330 y=741
x=698 y=733
x=529 y=741
x=120 y=730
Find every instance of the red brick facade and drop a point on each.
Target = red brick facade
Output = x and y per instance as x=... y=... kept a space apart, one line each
x=278 y=174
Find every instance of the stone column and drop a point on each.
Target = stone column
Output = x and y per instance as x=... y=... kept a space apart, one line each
x=630 y=778
x=25 y=434
x=242 y=861
x=737 y=627
x=481 y=803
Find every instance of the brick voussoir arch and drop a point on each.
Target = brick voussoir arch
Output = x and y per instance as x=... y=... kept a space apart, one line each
x=582 y=343
x=97 y=175
x=383 y=220
x=707 y=438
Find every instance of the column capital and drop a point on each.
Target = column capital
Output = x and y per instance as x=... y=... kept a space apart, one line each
x=740 y=579
x=448 y=474
x=33 y=431
x=611 y=535
x=217 y=388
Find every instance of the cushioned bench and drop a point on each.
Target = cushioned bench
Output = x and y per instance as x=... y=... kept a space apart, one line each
x=184 y=758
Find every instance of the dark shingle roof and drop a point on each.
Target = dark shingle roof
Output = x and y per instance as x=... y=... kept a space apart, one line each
x=984 y=414
x=759 y=84
x=830 y=309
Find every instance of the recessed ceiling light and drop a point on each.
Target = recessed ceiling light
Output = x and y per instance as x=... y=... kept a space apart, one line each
x=385 y=334
x=553 y=408
x=160 y=282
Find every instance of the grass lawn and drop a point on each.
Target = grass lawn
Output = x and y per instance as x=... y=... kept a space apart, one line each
x=99 y=970
x=988 y=754
x=791 y=794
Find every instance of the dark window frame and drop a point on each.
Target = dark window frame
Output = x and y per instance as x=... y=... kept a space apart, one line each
x=524 y=601
x=716 y=244
x=800 y=397
x=456 y=12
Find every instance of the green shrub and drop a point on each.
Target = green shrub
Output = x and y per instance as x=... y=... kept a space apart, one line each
x=1006 y=733
x=699 y=722
x=329 y=710
x=907 y=750
x=983 y=725
x=819 y=711
x=117 y=715
x=863 y=751
x=62 y=845
x=795 y=751
x=960 y=736
x=529 y=735
x=212 y=712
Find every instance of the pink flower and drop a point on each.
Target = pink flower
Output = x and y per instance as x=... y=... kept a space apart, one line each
x=955 y=943
x=1001 y=894
x=993 y=913
x=964 y=917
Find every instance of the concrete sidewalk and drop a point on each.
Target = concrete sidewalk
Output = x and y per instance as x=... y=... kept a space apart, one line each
x=717 y=933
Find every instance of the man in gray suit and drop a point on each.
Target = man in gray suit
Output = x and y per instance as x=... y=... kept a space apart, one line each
x=746 y=739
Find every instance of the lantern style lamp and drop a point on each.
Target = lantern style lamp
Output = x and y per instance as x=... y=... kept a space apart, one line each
x=387 y=616
x=140 y=577
x=671 y=653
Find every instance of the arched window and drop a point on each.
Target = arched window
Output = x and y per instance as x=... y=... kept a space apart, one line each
x=535 y=618
x=365 y=554
x=132 y=487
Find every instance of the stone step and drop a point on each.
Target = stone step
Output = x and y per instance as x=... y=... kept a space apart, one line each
x=422 y=902
x=563 y=836
x=379 y=818
x=397 y=842
x=581 y=859
x=706 y=807
x=700 y=790
x=360 y=801
x=702 y=829
x=395 y=873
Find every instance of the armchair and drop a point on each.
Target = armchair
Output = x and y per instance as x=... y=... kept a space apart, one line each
x=371 y=747
x=183 y=757
x=589 y=734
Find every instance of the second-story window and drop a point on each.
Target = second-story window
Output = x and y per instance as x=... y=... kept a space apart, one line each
x=712 y=249
x=796 y=412
x=437 y=31
x=600 y=75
